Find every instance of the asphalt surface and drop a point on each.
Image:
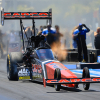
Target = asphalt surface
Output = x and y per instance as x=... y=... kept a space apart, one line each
x=27 y=90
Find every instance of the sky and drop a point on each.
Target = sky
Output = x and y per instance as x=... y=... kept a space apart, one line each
x=65 y=13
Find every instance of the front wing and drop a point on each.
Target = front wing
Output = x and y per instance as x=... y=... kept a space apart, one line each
x=71 y=81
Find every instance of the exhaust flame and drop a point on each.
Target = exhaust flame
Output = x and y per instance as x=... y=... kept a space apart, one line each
x=59 y=50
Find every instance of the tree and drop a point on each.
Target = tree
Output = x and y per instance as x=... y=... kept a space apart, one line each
x=24 y=8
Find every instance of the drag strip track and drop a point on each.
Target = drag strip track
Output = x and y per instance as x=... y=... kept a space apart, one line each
x=27 y=90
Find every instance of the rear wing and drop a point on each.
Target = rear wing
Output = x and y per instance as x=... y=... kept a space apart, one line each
x=26 y=15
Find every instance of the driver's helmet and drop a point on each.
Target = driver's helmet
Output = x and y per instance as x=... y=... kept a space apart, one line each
x=48 y=26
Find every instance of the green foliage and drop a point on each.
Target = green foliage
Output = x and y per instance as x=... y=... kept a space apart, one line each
x=24 y=8
x=54 y=7
x=82 y=7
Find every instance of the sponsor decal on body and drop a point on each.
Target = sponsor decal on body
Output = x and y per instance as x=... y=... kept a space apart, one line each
x=24 y=77
x=44 y=67
x=71 y=81
x=58 y=65
x=36 y=68
x=24 y=72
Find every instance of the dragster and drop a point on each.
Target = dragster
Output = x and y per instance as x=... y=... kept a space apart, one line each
x=37 y=62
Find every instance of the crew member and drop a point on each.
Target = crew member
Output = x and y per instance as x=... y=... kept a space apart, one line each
x=91 y=35
x=58 y=34
x=40 y=32
x=81 y=41
x=73 y=37
x=49 y=33
x=97 y=38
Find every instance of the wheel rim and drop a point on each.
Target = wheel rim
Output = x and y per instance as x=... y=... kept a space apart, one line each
x=55 y=86
x=84 y=85
x=8 y=72
x=86 y=74
x=8 y=68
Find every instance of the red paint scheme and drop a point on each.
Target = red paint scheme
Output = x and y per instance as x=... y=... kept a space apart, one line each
x=65 y=72
x=34 y=14
x=78 y=80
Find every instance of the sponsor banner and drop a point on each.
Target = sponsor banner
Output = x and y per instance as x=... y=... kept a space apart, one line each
x=8 y=15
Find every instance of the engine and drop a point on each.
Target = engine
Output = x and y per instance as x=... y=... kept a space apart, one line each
x=28 y=57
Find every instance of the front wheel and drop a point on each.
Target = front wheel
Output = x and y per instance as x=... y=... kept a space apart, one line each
x=57 y=75
x=86 y=74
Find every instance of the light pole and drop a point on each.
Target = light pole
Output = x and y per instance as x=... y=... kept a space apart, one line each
x=0 y=12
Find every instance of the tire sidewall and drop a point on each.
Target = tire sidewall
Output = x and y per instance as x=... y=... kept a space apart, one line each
x=86 y=74
x=57 y=75
x=12 y=73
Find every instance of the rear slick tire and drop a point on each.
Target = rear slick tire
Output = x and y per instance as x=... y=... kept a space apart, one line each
x=57 y=75
x=12 y=59
x=86 y=74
